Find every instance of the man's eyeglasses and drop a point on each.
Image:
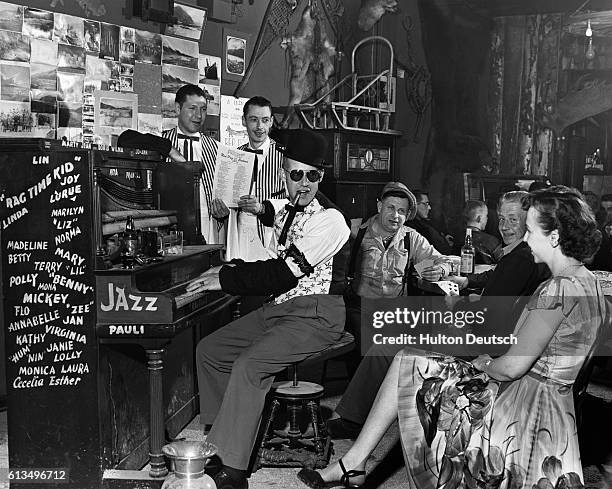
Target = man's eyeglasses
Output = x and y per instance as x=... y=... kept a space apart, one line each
x=425 y=203
x=297 y=175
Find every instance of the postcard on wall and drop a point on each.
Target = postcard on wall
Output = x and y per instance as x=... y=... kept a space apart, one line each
x=70 y=114
x=213 y=97
x=235 y=52
x=168 y=105
x=43 y=125
x=210 y=70
x=180 y=52
x=15 y=119
x=44 y=101
x=43 y=77
x=126 y=83
x=74 y=134
x=43 y=51
x=68 y=30
x=14 y=82
x=190 y=22
x=92 y=36
x=169 y=123
x=98 y=68
x=70 y=58
x=38 y=23
x=148 y=47
x=147 y=84
x=174 y=77
x=232 y=132
x=11 y=17
x=127 y=45
x=109 y=41
x=115 y=112
x=150 y=123
x=233 y=171
x=14 y=46
x=70 y=87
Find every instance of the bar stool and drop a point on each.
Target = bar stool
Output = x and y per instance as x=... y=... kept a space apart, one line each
x=296 y=450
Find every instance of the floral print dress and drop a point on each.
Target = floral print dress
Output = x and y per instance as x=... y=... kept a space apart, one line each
x=459 y=428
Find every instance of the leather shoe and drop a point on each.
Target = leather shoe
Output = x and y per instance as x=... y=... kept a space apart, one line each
x=225 y=481
x=341 y=428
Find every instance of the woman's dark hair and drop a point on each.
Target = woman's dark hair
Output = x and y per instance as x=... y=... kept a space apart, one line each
x=564 y=209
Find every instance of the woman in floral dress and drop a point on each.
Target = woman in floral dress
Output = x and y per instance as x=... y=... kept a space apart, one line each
x=507 y=422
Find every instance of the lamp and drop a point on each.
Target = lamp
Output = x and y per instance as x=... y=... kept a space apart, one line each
x=590 y=52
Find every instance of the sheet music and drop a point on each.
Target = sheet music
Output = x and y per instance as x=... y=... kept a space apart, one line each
x=233 y=174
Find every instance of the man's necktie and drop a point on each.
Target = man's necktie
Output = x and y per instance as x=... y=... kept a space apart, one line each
x=187 y=153
x=255 y=168
x=292 y=210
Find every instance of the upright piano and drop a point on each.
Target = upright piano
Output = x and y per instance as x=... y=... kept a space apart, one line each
x=99 y=358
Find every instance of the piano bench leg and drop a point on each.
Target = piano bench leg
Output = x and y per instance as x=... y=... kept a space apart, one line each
x=155 y=364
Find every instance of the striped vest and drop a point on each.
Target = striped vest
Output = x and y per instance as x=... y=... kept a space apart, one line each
x=209 y=156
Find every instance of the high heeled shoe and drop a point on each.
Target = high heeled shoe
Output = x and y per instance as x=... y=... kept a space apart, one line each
x=313 y=479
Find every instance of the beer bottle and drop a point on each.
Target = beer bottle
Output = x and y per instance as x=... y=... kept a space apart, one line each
x=130 y=244
x=467 y=254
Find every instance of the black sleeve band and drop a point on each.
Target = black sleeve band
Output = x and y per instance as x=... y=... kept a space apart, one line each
x=267 y=216
x=300 y=260
x=138 y=140
x=268 y=277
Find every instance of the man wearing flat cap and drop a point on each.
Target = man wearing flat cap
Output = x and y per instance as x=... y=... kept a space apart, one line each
x=383 y=252
x=237 y=364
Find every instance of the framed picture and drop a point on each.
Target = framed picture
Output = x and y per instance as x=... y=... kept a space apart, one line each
x=190 y=22
x=236 y=46
x=115 y=112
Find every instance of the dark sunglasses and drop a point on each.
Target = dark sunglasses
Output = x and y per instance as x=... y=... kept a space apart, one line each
x=297 y=175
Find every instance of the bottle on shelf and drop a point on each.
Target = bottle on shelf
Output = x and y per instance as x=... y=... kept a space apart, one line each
x=130 y=244
x=467 y=254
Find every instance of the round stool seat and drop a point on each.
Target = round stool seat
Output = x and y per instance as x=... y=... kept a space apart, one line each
x=304 y=390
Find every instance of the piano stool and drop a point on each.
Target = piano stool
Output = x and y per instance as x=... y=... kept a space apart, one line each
x=295 y=448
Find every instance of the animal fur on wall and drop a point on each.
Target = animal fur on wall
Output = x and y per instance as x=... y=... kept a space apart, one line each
x=311 y=56
x=372 y=10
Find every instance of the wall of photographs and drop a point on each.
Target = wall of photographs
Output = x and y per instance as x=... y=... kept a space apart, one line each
x=66 y=77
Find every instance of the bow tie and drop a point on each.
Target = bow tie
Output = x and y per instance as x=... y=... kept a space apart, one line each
x=184 y=136
x=256 y=151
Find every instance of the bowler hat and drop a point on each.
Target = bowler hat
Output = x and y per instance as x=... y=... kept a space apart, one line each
x=400 y=189
x=302 y=145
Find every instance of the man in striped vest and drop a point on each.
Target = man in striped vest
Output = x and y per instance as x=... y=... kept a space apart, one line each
x=246 y=236
x=189 y=144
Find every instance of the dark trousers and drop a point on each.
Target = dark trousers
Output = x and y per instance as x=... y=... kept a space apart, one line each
x=237 y=364
x=359 y=396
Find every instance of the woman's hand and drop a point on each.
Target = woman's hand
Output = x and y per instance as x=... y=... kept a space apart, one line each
x=481 y=362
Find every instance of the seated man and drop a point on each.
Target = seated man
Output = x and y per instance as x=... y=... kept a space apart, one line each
x=386 y=249
x=515 y=275
x=423 y=225
x=487 y=247
x=236 y=364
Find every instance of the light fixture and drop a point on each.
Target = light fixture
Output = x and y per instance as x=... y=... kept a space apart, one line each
x=590 y=52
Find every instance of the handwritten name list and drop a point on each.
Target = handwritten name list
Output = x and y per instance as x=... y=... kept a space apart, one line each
x=48 y=273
